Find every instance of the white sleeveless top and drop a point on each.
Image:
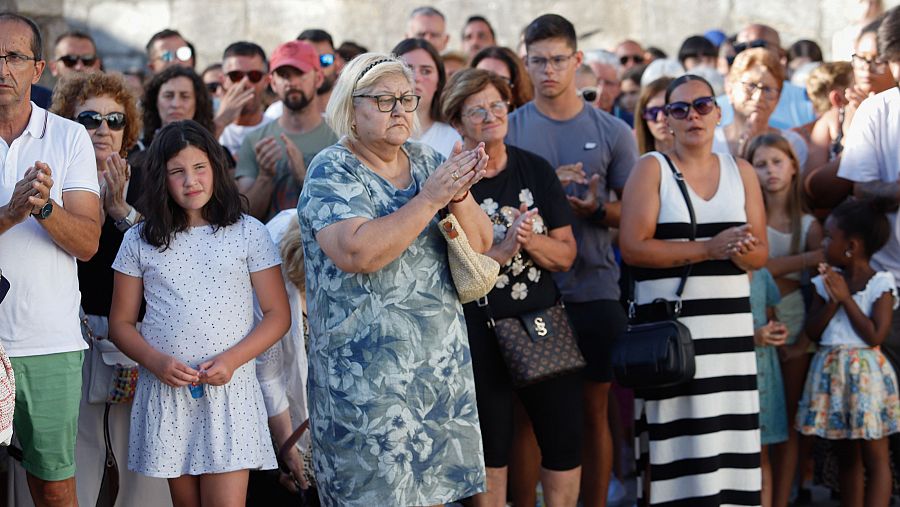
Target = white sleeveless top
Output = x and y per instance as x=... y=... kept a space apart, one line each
x=780 y=242
x=724 y=209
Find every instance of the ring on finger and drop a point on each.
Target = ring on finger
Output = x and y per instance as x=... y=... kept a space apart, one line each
x=454 y=175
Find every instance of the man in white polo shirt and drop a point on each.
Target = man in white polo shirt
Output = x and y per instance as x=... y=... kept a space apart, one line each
x=51 y=216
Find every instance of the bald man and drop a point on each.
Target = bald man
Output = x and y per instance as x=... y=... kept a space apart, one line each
x=428 y=23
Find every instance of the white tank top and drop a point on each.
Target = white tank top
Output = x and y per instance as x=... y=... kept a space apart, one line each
x=780 y=242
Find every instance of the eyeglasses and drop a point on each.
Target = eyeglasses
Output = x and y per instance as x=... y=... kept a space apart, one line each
x=254 y=76
x=558 y=62
x=213 y=87
x=767 y=91
x=589 y=94
x=72 y=60
x=387 y=103
x=743 y=46
x=637 y=59
x=680 y=110
x=480 y=115
x=17 y=61
x=326 y=60
x=183 y=53
x=876 y=65
x=92 y=120
x=652 y=113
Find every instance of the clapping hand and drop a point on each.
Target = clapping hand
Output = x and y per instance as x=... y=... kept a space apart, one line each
x=835 y=284
x=734 y=241
x=452 y=179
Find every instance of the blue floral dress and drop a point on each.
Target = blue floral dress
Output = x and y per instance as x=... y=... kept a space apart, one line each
x=391 y=390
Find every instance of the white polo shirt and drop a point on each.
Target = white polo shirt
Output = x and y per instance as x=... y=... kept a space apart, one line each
x=40 y=313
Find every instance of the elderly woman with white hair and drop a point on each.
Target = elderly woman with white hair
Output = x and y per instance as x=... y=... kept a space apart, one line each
x=391 y=390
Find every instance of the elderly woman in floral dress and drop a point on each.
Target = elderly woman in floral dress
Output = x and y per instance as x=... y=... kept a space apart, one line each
x=391 y=391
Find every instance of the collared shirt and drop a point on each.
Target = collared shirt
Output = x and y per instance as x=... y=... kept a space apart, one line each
x=40 y=314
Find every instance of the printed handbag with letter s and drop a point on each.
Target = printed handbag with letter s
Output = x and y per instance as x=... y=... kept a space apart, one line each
x=538 y=346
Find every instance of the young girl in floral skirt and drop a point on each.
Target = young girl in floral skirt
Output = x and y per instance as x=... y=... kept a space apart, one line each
x=850 y=395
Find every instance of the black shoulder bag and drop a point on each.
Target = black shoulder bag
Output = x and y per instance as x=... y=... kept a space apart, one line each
x=656 y=350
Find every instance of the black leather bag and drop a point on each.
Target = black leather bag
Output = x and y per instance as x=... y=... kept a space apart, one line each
x=538 y=346
x=656 y=350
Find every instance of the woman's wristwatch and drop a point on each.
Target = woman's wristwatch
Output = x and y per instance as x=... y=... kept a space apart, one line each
x=125 y=223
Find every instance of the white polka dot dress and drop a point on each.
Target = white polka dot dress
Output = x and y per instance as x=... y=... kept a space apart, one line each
x=199 y=303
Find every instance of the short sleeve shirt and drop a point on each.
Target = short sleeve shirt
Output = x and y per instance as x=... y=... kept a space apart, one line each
x=287 y=188
x=871 y=153
x=523 y=286
x=605 y=146
x=40 y=313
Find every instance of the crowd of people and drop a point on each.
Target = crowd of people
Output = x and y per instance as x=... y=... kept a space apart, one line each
x=230 y=286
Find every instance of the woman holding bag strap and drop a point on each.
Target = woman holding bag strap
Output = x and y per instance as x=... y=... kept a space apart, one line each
x=699 y=438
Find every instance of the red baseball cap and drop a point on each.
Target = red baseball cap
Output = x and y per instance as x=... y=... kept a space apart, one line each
x=296 y=53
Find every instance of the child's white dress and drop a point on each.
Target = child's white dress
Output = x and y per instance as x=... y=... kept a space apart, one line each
x=199 y=303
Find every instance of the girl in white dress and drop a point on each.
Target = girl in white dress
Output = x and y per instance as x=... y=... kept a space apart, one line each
x=196 y=260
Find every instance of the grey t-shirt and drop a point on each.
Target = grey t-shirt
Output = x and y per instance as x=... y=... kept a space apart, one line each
x=604 y=145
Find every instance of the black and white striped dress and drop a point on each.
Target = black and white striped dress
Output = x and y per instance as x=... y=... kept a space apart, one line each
x=702 y=438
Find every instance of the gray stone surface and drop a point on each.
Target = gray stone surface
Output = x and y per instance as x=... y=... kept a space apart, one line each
x=122 y=27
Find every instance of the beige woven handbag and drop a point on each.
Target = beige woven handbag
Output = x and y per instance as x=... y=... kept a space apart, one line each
x=474 y=274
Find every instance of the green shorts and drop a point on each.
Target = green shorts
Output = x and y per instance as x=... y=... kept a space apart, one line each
x=48 y=391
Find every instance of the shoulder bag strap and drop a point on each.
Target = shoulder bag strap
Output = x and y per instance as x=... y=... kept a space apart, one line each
x=630 y=283
x=679 y=178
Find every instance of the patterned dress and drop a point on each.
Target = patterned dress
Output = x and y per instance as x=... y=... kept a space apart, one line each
x=702 y=438
x=391 y=391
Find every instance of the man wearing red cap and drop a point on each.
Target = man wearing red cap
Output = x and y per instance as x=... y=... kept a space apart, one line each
x=272 y=160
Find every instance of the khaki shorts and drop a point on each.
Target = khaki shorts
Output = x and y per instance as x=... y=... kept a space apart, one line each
x=48 y=391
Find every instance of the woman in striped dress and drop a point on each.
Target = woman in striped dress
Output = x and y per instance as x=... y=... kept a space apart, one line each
x=698 y=443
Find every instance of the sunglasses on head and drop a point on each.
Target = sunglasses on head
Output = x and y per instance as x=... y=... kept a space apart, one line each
x=326 y=60
x=183 y=53
x=589 y=94
x=92 y=120
x=72 y=60
x=638 y=59
x=680 y=110
x=652 y=113
x=254 y=75
x=743 y=46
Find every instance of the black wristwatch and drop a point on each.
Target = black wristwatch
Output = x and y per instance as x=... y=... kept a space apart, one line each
x=45 y=211
x=598 y=215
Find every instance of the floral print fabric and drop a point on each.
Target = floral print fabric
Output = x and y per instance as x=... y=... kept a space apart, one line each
x=850 y=393
x=391 y=390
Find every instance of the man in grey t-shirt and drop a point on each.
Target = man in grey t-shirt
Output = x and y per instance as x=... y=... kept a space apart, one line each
x=593 y=153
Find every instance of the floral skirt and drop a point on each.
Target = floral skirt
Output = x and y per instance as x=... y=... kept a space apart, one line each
x=850 y=393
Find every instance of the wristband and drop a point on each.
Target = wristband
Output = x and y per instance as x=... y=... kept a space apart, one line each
x=461 y=199
x=599 y=214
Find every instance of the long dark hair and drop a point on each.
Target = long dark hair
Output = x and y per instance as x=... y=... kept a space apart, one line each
x=203 y=109
x=409 y=45
x=163 y=217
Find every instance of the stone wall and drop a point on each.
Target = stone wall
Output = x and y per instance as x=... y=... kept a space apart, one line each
x=122 y=27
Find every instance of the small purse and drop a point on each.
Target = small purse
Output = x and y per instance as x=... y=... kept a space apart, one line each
x=112 y=376
x=474 y=274
x=538 y=345
x=656 y=351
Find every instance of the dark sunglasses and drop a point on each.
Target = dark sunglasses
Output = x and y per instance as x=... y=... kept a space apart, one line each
x=72 y=60
x=254 y=75
x=589 y=94
x=652 y=113
x=680 y=110
x=743 y=46
x=638 y=59
x=92 y=120
x=213 y=87
x=326 y=60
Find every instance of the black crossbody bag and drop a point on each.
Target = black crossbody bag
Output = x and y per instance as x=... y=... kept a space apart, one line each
x=657 y=351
